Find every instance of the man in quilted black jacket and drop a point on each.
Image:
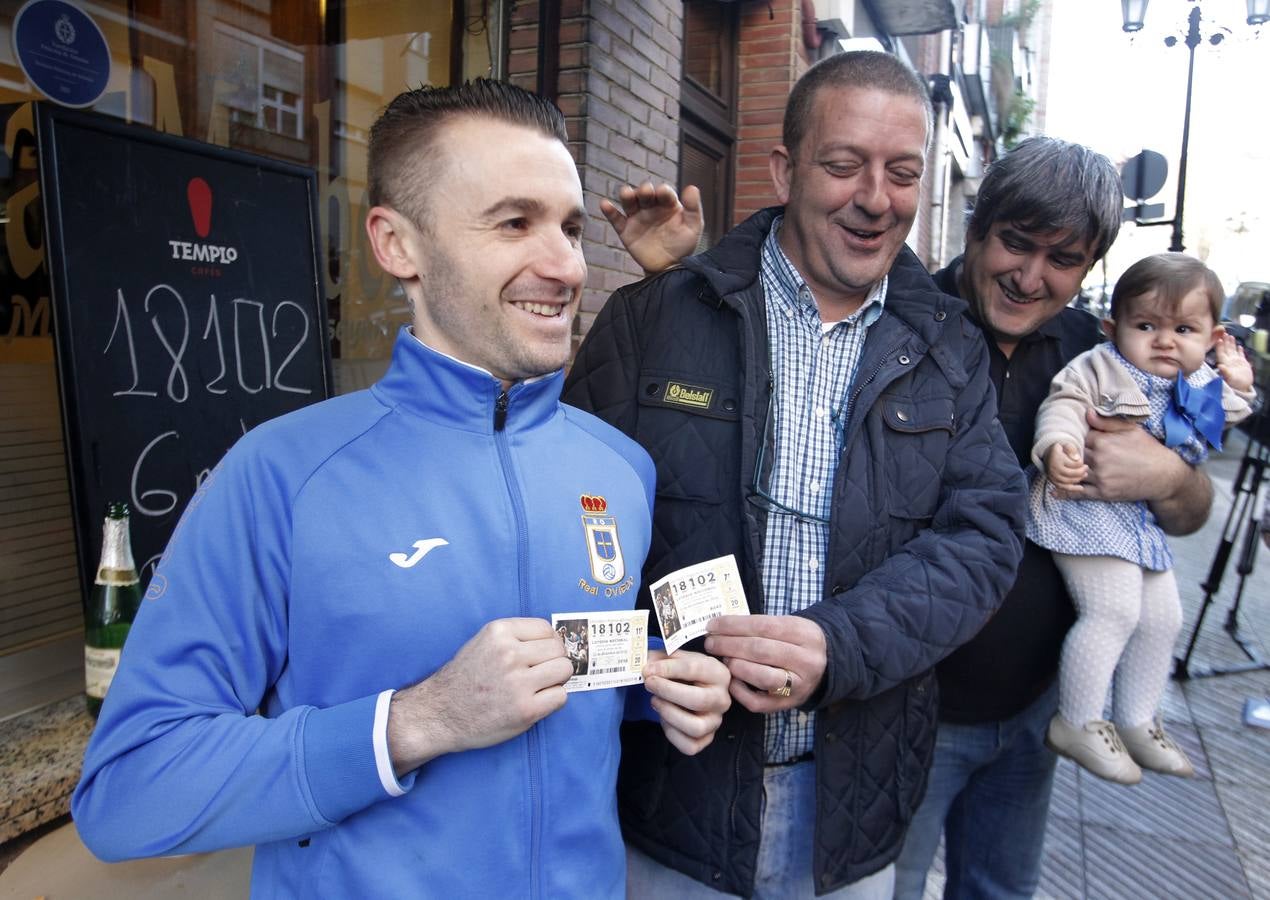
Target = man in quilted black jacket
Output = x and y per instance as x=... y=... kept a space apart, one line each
x=1046 y=213
x=819 y=409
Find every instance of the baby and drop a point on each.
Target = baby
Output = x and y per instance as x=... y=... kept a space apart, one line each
x=1113 y=556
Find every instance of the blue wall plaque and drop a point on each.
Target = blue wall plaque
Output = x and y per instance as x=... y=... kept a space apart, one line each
x=62 y=52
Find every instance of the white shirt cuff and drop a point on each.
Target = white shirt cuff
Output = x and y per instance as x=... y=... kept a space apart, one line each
x=379 y=738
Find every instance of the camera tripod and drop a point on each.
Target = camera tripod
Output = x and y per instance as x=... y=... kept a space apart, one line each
x=1243 y=514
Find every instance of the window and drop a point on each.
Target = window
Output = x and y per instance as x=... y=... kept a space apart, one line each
x=267 y=80
x=297 y=80
x=708 y=110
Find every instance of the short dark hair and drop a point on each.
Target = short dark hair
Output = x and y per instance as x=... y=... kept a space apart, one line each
x=1045 y=185
x=860 y=69
x=403 y=138
x=1169 y=277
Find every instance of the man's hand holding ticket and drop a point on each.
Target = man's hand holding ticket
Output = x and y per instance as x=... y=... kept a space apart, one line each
x=686 y=599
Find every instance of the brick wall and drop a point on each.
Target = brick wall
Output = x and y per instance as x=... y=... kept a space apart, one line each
x=522 y=46
x=628 y=130
x=618 y=88
x=772 y=59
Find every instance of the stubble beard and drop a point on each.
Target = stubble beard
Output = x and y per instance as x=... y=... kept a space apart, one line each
x=481 y=334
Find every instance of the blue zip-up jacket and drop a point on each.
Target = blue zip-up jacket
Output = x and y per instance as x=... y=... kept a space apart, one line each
x=242 y=712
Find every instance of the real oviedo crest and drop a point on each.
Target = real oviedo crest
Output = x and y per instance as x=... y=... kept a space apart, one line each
x=603 y=548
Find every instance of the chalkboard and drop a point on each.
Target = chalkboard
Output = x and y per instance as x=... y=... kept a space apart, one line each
x=186 y=310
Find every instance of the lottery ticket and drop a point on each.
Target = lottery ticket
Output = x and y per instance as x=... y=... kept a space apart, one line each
x=686 y=599
x=608 y=648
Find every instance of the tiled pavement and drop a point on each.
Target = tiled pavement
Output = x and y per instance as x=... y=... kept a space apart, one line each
x=1168 y=837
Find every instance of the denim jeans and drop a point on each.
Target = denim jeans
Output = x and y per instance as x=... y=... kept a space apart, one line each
x=989 y=792
x=784 y=855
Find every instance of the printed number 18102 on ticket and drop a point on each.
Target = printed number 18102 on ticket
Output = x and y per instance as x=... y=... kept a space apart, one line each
x=686 y=599
x=608 y=648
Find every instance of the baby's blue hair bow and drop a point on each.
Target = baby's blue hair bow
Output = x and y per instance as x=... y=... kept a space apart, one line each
x=1194 y=410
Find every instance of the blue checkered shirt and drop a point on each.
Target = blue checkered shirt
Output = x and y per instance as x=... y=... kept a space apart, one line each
x=813 y=365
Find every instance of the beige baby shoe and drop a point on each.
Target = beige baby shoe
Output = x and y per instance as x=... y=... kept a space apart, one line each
x=1096 y=747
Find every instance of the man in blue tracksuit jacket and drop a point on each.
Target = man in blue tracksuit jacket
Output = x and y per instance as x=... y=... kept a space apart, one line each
x=345 y=656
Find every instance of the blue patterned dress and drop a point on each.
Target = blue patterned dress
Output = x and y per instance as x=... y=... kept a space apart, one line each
x=1124 y=529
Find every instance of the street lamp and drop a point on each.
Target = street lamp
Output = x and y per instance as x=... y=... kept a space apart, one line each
x=1134 y=13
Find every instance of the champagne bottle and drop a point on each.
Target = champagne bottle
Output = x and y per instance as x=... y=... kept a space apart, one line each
x=112 y=607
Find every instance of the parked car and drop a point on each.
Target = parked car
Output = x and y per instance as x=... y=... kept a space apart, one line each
x=1247 y=316
x=1249 y=305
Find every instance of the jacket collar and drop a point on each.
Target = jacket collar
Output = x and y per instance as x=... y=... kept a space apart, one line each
x=428 y=384
x=732 y=265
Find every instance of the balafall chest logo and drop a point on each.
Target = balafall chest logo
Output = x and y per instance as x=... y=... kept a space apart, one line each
x=688 y=395
x=602 y=545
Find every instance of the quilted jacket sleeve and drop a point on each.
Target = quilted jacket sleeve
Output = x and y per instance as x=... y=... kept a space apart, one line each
x=936 y=590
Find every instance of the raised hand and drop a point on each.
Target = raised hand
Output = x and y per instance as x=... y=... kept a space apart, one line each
x=1232 y=362
x=656 y=229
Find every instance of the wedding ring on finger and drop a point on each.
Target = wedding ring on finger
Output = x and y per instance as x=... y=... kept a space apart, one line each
x=785 y=689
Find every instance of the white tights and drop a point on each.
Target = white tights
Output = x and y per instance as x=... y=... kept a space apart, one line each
x=1126 y=615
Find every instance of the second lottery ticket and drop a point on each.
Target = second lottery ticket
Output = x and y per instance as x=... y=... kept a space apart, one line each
x=686 y=599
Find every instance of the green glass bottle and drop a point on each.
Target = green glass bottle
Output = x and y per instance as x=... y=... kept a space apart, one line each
x=112 y=607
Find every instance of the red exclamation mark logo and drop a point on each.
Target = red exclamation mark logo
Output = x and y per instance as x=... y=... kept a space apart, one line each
x=199 y=193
